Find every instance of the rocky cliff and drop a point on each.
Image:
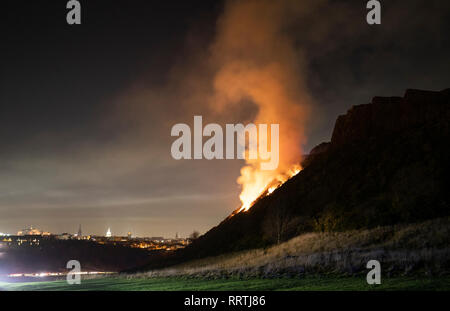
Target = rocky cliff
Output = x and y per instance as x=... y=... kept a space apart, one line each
x=390 y=115
x=387 y=163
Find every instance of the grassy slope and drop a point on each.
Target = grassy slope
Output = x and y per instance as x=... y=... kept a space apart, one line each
x=297 y=284
x=400 y=249
x=325 y=259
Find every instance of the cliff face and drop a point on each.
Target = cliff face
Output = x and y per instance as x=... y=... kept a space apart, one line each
x=387 y=163
x=390 y=115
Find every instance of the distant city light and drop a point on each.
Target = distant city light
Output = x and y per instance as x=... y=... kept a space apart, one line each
x=30 y=237
x=48 y=274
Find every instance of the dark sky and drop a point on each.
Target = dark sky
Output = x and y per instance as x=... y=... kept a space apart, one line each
x=86 y=110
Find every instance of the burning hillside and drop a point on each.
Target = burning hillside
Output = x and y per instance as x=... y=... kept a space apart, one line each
x=257 y=62
x=347 y=185
x=260 y=189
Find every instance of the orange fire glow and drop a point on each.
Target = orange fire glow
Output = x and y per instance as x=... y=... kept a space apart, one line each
x=261 y=183
x=257 y=61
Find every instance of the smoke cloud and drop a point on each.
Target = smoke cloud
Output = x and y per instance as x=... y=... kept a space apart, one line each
x=256 y=62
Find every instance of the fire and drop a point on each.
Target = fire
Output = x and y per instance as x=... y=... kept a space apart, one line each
x=271 y=189
x=256 y=61
x=260 y=183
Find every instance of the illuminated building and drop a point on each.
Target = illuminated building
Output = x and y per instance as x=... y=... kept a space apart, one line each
x=80 y=233
x=32 y=231
x=64 y=236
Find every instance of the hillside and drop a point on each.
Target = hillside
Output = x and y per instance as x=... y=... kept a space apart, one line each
x=413 y=257
x=387 y=163
x=419 y=249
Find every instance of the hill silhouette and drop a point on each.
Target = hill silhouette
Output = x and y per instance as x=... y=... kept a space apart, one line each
x=387 y=163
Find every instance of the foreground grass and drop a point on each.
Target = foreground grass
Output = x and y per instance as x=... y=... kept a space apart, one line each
x=327 y=261
x=309 y=283
x=400 y=248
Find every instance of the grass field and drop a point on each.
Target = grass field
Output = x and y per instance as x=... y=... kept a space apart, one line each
x=409 y=254
x=328 y=283
x=419 y=249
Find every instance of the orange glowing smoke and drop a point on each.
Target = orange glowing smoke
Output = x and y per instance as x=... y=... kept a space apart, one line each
x=257 y=62
x=261 y=185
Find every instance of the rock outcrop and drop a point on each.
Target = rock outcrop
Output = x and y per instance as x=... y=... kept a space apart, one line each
x=388 y=115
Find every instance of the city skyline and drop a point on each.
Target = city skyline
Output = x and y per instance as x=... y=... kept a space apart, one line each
x=75 y=233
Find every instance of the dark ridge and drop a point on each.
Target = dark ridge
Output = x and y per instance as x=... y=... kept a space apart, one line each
x=387 y=163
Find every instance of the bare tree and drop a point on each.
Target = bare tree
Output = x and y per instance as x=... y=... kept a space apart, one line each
x=194 y=235
x=278 y=220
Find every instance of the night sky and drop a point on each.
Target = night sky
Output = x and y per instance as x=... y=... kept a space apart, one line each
x=86 y=110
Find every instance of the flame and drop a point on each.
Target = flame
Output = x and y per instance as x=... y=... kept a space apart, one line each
x=271 y=189
x=261 y=185
x=256 y=60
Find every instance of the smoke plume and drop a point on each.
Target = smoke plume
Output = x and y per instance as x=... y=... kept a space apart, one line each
x=256 y=61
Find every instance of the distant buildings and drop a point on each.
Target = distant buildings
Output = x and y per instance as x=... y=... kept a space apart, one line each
x=31 y=237
x=32 y=231
x=80 y=233
x=63 y=236
x=158 y=239
x=149 y=243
